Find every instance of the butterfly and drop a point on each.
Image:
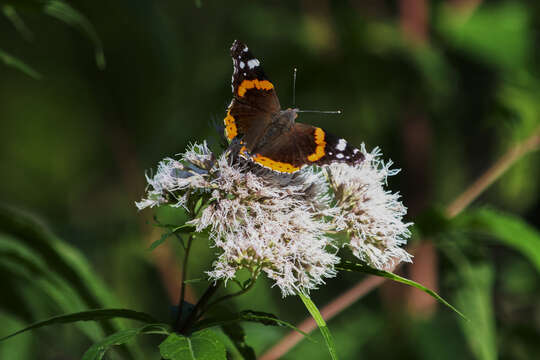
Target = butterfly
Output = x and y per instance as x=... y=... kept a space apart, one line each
x=270 y=136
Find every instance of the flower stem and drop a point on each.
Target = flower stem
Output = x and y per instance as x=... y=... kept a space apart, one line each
x=201 y=304
x=230 y=296
x=178 y=322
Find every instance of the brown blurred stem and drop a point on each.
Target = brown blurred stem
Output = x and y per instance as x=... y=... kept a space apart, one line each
x=346 y=299
x=493 y=173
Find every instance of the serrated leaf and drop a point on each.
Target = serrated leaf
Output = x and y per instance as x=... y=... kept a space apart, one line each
x=510 y=230
x=364 y=268
x=238 y=337
x=315 y=313
x=91 y=315
x=13 y=62
x=202 y=345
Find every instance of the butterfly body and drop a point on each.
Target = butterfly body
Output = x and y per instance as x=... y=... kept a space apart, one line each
x=269 y=135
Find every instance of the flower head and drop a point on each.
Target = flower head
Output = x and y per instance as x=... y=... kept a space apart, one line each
x=281 y=225
x=371 y=215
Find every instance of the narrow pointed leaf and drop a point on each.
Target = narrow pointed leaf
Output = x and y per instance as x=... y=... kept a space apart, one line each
x=363 y=268
x=314 y=311
x=13 y=62
x=69 y=15
x=91 y=315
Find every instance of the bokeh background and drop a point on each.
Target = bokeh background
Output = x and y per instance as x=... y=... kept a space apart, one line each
x=443 y=87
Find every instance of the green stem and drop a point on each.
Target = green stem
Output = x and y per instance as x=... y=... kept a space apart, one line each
x=230 y=296
x=178 y=322
x=201 y=304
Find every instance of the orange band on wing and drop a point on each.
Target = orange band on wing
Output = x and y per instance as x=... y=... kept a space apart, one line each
x=319 y=150
x=254 y=84
x=274 y=165
x=269 y=163
x=230 y=126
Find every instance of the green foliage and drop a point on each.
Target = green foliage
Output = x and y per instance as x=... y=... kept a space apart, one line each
x=57 y=9
x=202 y=345
x=238 y=337
x=474 y=295
x=36 y=262
x=12 y=61
x=314 y=311
x=363 y=268
x=91 y=315
x=507 y=229
x=98 y=350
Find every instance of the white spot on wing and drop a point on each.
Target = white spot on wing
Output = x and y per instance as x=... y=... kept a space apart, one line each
x=356 y=151
x=242 y=64
x=253 y=63
x=339 y=156
x=245 y=49
x=341 y=144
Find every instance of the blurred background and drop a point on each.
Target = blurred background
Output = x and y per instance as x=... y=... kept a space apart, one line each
x=443 y=87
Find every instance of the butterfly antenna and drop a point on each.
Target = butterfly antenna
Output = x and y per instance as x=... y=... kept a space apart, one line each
x=294 y=87
x=320 y=111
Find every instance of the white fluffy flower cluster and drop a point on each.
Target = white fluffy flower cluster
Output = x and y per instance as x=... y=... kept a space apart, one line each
x=371 y=216
x=280 y=225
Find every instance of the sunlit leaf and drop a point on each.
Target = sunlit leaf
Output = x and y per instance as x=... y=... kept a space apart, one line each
x=314 y=311
x=202 y=345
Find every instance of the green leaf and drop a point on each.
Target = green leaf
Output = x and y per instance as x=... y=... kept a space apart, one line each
x=474 y=295
x=238 y=337
x=363 y=268
x=202 y=345
x=98 y=350
x=260 y=317
x=64 y=12
x=10 y=12
x=510 y=230
x=13 y=62
x=91 y=315
x=314 y=311
x=186 y=229
x=48 y=267
x=160 y=241
x=498 y=33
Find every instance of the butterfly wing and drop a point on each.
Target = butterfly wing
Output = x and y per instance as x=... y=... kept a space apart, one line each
x=255 y=101
x=304 y=145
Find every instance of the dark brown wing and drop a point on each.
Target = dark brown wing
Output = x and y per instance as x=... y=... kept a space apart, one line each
x=255 y=100
x=304 y=145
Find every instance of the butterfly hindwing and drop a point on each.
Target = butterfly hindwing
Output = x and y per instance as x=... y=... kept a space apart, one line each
x=304 y=145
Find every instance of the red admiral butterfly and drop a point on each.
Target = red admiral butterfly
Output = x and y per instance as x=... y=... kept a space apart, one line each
x=268 y=135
